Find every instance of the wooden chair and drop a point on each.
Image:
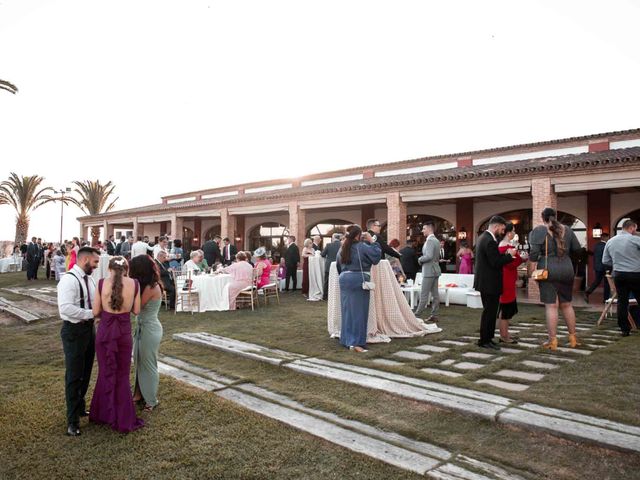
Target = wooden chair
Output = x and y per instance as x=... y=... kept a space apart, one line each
x=186 y=295
x=165 y=299
x=271 y=289
x=613 y=299
x=249 y=295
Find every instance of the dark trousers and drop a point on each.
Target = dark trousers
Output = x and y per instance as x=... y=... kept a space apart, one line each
x=292 y=273
x=325 y=286
x=410 y=275
x=490 y=305
x=47 y=269
x=600 y=276
x=32 y=269
x=78 y=343
x=626 y=282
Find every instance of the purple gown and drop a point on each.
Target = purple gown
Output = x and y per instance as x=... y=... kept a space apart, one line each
x=112 y=402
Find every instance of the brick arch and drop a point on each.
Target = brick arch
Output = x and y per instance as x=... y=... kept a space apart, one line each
x=634 y=215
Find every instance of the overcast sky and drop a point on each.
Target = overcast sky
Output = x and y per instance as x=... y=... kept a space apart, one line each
x=169 y=96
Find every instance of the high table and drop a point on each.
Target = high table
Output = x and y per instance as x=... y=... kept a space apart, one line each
x=389 y=313
x=316 y=278
x=103 y=268
x=213 y=291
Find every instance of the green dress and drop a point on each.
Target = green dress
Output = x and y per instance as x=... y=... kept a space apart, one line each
x=146 y=343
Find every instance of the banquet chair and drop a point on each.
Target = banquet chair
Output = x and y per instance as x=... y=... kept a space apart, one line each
x=186 y=295
x=613 y=300
x=271 y=289
x=249 y=295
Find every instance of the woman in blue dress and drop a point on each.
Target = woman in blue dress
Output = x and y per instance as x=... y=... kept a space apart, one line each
x=355 y=258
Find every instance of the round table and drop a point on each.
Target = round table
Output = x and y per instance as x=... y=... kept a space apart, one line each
x=103 y=268
x=213 y=291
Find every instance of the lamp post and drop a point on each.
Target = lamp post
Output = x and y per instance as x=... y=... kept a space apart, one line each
x=62 y=191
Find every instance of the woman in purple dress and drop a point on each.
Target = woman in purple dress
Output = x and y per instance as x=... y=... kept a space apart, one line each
x=465 y=254
x=119 y=296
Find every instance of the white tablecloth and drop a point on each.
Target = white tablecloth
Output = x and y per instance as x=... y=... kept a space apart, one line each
x=316 y=278
x=103 y=268
x=298 y=282
x=213 y=291
x=12 y=260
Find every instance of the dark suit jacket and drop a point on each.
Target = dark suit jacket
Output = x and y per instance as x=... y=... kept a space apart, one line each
x=232 y=253
x=488 y=267
x=598 y=266
x=33 y=252
x=211 y=252
x=409 y=260
x=386 y=249
x=315 y=247
x=165 y=276
x=329 y=253
x=111 y=248
x=292 y=256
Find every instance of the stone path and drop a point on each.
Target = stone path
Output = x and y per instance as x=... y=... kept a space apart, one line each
x=389 y=447
x=16 y=310
x=472 y=402
x=44 y=294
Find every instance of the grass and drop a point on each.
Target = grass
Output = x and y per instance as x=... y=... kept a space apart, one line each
x=197 y=435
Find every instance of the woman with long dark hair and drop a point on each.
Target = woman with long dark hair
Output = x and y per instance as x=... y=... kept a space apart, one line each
x=551 y=247
x=355 y=258
x=118 y=297
x=148 y=331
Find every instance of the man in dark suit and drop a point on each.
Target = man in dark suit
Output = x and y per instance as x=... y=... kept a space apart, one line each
x=111 y=246
x=409 y=260
x=33 y=259
x=488 y=277
x=600 y=269
x=166 y=278
x=229 y=251
x=317 y=241
x=374 y=227
x=211 y=249
x=329 y=253
x=291 y=260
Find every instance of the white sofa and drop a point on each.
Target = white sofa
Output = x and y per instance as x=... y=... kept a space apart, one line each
x=457 y=295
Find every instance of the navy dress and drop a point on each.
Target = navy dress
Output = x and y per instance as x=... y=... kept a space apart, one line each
x=354 y=301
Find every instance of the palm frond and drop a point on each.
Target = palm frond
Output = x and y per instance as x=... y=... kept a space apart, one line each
x=93 y=196
x=9 y=87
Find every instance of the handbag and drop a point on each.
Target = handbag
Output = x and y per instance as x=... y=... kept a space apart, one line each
x=366 y=285
x=542 y=274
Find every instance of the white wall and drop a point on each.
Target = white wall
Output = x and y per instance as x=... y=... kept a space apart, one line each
x=576 y=206
x=447 y=211
x=484 y=210
x=621 y=204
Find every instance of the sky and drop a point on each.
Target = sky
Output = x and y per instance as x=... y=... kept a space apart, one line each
x=167 y=96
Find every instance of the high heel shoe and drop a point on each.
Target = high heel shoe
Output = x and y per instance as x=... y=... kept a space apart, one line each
x=573 y=341
x=551 y=344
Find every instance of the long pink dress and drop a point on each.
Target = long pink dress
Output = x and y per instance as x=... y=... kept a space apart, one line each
x=266 y=272
x=242 y=273
x=466 y=264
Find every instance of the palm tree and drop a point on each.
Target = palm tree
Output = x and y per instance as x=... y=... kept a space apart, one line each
x=9 y=87
x=24 y=194
x=94 y=198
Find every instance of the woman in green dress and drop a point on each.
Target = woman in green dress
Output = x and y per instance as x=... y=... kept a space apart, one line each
x=148 y=331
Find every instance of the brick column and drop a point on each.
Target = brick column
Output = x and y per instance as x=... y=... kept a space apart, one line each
x=543 y=196
x=464 y=219
x=396 y=218
x=297 y=222
x=135 y=228
x=83 y=230
x=197 y=231
x=228 y=224
x=367 y=213
x=598 y=211
x=177 y=224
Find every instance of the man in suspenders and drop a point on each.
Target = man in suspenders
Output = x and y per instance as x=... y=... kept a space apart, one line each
x=76 y=292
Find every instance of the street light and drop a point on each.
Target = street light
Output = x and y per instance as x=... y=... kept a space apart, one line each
x=62 y=191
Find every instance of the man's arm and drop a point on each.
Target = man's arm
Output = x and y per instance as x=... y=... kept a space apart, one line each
x=606 y=256
x=429 y=254
x=323 y=253
x=66 y=299
x=495 y=258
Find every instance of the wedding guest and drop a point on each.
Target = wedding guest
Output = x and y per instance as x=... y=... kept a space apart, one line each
x=263 y=267
x=307 y=251
x=194 y=262
x=600 y=269
x=211 y=249
x=430 y=272
x=508 y=304
x=40 y=258
x=282 y=270
x=139 y=248
x=177 y=252
x=111 y=246
x=242 y=273
x=48 y=263
x=161 y=246
x=355 y=258
x=292 y=259
x=228 y=252
x=125 y=248
x=465 y=256
x=148 y=330
x=166 y=279
x=623 y=252
x=33 y=259
x=118 y=297
x=409 y=260
x=330 y=252
x=488 y=278
x=317 y=242
x=444 y=260
x=374 y=227
x=551 y=247
x=204 y=265
x=76 y=291
x=58 y=265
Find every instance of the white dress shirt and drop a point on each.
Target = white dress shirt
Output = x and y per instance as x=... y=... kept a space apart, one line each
x=139 y=248
x=69 y=296
x=191 y=265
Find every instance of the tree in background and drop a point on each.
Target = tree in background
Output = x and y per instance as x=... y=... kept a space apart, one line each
x=9 y=87
x=24 y=194
x=93 y=200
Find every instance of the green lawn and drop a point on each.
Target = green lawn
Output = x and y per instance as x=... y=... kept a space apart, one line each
x=196 y=435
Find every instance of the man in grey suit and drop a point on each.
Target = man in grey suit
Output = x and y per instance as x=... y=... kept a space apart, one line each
x=430 y=272
x=329 y=253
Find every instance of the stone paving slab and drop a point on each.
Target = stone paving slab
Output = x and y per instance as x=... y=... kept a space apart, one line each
x=17 y=311
x=510 y=350
x=449 y=361
x=412 y=355
x=555 y=358
x=513 y=387
x=531 y=377
x=438 y=371
x=482 y=356
x=389 y=363
x=432 y=348
x=453 y=342
x=577 y=351
x=469 y=365
x=534 y=364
